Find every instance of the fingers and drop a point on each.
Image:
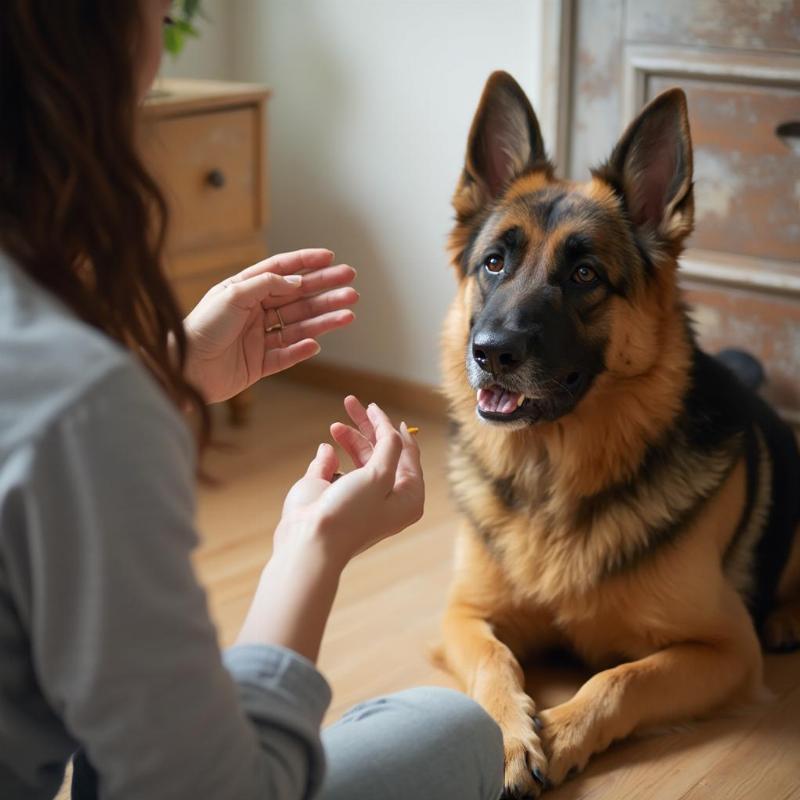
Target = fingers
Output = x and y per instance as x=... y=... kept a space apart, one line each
x=359 y=446
x=358 y=414
x=328 y=278
x=409 y=467
x=309 y=307
x=355 y=444
x=247 y=293
x=282 y=358
x=306 y=329
x=324 y=463
x=323 y=290
x=294 y=263
x=388 y=448
x=408 y=496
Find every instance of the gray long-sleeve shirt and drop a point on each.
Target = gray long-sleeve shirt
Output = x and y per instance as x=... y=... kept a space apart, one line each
x=105 y=637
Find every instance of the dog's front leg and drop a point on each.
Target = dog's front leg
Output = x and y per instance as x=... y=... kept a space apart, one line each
x=491 y=674
x=680 y=682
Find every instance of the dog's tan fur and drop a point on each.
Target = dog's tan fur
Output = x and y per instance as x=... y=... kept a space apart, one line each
x=672 y=637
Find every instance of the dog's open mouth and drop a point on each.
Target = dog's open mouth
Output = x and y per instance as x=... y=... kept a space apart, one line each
x=496 y=400
x=498 y=404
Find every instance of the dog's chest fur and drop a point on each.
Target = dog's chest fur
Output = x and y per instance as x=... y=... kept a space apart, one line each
x=609 y=584
x=553 y=544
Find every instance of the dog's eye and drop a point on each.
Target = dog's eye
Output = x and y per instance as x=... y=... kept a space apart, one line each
x=584 y=275
x=494 y=264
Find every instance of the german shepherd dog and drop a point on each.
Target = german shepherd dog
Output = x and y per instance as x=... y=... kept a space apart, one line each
x=623 y=494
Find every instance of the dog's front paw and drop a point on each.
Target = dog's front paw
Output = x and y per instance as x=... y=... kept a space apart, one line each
x=569 y=736
x=525 y=761
x=525 y=767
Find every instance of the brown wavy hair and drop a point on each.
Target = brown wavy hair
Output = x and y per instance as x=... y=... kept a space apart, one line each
x=78 y=209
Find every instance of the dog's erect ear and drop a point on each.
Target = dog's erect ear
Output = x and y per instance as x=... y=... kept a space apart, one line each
x=651 y=166
x=504 y=140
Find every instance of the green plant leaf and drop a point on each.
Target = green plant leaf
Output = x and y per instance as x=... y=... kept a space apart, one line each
x=173 y=40
x=175 y=35
x=186 y=28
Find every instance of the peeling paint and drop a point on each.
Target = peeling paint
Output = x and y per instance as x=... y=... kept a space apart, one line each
x=767 y=10
x=715 y=186
x=751 y=24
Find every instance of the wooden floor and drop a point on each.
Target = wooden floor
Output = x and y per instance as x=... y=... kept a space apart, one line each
x=387 y=614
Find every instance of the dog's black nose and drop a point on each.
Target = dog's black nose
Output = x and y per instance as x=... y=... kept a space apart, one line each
x=498 y=353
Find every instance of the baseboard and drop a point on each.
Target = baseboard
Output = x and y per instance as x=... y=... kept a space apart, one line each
x=370 y=387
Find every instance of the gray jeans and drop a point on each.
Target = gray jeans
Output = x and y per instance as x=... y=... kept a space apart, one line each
x=420 y=744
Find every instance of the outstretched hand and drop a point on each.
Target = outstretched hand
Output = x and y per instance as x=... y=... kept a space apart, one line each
x=384 y=494
x=326 y=521
x=266 y=319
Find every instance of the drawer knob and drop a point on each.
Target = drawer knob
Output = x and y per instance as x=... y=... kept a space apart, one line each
x=216 y=178
x=789 y=134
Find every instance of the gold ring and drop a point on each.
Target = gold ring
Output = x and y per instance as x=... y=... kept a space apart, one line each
x=278 y=326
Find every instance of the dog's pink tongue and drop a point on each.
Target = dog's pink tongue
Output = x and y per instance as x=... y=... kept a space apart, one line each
x=488 y=398
x=509 y=403
x=498 y=401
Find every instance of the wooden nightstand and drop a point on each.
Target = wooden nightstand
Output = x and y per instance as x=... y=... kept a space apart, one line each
x=205 y=142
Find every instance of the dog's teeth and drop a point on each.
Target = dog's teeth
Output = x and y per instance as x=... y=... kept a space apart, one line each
x=520 y=400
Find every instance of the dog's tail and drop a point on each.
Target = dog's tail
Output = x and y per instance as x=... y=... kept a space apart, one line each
x=746 y=367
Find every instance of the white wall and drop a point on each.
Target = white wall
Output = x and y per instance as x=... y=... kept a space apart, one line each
x=372 y=103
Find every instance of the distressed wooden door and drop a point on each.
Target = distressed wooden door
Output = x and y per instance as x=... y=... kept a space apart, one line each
x=739 y=63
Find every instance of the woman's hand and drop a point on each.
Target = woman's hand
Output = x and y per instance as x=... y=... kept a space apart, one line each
x=325 y=523
x=382 y=496
x=233 y=333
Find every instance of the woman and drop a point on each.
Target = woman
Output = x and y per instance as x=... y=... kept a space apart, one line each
x=105 y=641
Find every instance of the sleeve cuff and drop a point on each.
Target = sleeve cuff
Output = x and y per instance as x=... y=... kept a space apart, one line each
x=279 y=688
x=275 y=669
